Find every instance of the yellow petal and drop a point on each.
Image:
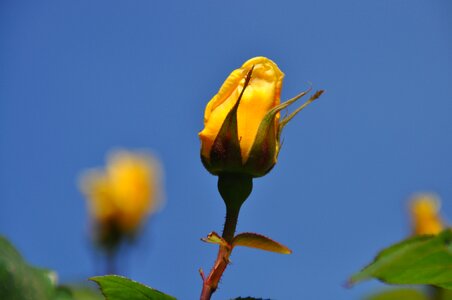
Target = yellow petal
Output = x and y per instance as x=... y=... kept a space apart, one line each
x=261 y=95
x=132 y=180
x=425 y=214
x=218 y=108
x=96 y=187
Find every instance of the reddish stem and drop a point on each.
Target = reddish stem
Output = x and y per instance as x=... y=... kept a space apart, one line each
x=210 y=283
x=234 y=189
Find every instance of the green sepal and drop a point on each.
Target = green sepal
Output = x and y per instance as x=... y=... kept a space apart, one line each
x=264 y=152
x=266 y=146
x=262 y=156
x=286 y=120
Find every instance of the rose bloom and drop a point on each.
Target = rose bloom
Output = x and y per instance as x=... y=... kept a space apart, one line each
x=425 y=216
x=123 y=195
x=242 y=123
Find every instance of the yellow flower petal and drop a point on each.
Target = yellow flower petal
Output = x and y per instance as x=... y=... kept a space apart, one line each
x=425 y=214
x=96 y=187
x=218 y=108
x=125 y=193
x=132 y=179
x=261 y=95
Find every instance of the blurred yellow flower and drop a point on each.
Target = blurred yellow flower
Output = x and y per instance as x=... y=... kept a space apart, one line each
x=124 y=194
x=424 y=209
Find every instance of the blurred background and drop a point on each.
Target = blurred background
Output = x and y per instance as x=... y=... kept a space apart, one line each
x=79 y=78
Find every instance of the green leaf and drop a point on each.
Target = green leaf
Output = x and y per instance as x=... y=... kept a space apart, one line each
x=19 y=280
x=83 y=291
x=417 y=260
x=215 y=238
x=249 y=298
x=121 y=288
x=63 y=293
x=445 y=294
x=398 y=294
x=258 y=241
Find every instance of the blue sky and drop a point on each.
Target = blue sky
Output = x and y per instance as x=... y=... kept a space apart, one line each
x=78 y=78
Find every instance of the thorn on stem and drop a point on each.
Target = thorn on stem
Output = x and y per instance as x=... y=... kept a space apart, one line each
x=226 y=260
x=201 y=272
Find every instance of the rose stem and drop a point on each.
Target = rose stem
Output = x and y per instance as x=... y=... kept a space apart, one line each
x=234 y=189
x=210 y=284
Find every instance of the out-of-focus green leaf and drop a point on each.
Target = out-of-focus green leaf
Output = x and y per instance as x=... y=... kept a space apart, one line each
x=258 y=241
x=63 y=293
x=398 y=294
x=418 y=260
x=82 y=291
x=445 y=294
x=214 y=238
x=19 y=280
x=249 y=298
x=424 y=293
x=120 y=288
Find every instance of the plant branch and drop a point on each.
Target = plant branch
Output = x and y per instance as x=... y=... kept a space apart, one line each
x=210 y=283
x=234 y=189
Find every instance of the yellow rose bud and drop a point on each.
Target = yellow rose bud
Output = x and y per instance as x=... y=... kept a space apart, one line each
x=425 y=216
x=242 y=121
x=121 y=197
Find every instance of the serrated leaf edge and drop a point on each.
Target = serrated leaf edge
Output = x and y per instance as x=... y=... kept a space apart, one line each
x=120 y=283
